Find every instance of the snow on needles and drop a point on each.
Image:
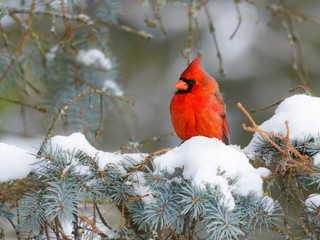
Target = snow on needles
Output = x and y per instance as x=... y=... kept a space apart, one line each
x=206 y=160
x=92 y=57
x=313 y=202
x=77 y=141
x=303 y=116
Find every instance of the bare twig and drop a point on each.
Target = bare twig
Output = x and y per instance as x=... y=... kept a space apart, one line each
x=287 y=159
x=26 y=33
x=101 y=119
x=212 y=31
x=65 y=107
x=111 y=208
x=267 y=107
x=146 y=160
x=236 y=2
x=102 y=218
x=278 y=9
x=36 y=107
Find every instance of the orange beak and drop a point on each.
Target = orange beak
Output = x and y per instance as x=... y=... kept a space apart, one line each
x=181 y=85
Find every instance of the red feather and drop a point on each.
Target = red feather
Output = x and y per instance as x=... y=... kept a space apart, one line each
x=197 y=108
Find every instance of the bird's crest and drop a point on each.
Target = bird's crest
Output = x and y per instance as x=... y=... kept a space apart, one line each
x=193 y=69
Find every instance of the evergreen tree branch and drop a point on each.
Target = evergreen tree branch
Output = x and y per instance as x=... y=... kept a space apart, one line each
x=64 y=108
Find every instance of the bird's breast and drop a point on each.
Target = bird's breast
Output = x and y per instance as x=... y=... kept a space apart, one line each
x=196 y=115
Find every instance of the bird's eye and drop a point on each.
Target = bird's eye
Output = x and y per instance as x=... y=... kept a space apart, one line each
x=193 y=82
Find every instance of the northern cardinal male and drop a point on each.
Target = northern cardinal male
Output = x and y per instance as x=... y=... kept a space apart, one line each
x=197 y=108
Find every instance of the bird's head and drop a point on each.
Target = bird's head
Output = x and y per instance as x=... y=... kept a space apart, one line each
x=195 y=79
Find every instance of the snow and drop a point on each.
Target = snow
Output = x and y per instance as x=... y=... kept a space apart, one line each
x=92 y=57
x=263 y=172
x=313 y=201
x=15 y=163
x=206 y=160
x=111 y=85
x=303 y=116
x=77 y=141
x=316 y=159
x=84 y=17
x=142 y=189
x=52 y=53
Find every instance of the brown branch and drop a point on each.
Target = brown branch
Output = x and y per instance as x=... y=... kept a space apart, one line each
x=111 y=208
x=278 y=9
x=40 y=109
x=187 y=52
x=139 y=166
x=66 y=21
x=157 y=16
x=59 y=229
x=5 y=73
x=101 y=120
x=93 y=225
x=148 y=140
x=236 y=2
x=287 y=160
x=296 y=53
x=239 y=105
x=212 y=31
x=122 y=215
x=267 y=107
x=101 y=217
x=23 y=41
x=138 y=197
x=65 y=107
x=26 y=33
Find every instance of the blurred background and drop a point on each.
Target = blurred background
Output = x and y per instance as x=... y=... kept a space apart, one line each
x=258 y=62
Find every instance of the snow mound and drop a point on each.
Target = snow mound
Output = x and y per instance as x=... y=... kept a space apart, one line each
x=94 y=56
x=206 y=160
x=15 y=163
x=312 y=202
x=77 y=141
x=303 y=116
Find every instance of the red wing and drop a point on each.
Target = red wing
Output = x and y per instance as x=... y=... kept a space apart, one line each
x=225 y=131
x=225 y=126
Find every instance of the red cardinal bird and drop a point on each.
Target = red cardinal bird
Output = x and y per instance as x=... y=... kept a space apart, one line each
x=197 y=108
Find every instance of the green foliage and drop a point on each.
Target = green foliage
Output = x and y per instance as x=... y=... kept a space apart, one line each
x=47 y=63
x=172 y=204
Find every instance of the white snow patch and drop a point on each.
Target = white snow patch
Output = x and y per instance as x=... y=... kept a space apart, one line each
x=202 y=158
x=316 y=159
x=84 y=17
x=263 y=172
x=52 y=53
x=111 y=85
x=15 y=163
x=313 y=201
x=142 y=189
x=94 y=56
x=77 y=141
x=303 y=116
